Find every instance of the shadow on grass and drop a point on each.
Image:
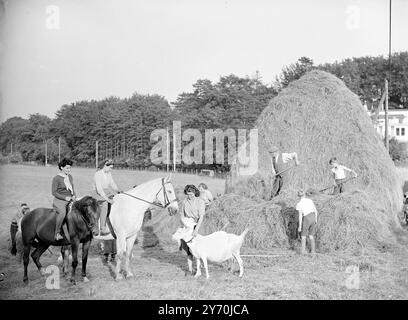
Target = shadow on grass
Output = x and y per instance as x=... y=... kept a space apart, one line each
x=153 y=249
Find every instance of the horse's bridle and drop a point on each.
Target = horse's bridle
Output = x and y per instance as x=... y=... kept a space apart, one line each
x=86 y=223
x=167 y=201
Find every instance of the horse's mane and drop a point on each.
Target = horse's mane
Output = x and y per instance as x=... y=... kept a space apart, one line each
x=85 y=202
x=147 y=183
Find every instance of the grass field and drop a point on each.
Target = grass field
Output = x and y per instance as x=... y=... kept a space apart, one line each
x=160 y=269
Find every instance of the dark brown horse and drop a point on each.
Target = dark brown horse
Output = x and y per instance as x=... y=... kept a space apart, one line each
x=38 y=230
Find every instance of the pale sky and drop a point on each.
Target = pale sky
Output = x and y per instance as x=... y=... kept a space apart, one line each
x=91 y=49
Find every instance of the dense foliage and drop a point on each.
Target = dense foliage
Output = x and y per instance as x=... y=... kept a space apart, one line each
x=122 y=127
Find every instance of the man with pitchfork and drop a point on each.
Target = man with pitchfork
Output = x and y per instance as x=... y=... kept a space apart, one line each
x=280 y=163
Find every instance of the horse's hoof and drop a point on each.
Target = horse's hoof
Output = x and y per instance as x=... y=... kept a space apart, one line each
x=73 y=282
x=85 y=279
x=119 y=277
x=25 y=280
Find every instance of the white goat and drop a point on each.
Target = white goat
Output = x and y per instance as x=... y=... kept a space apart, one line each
x=216 y=247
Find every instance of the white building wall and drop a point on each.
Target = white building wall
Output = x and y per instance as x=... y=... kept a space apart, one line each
x=397 y=124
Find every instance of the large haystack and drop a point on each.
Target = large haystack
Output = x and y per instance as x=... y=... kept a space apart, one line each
x=318 y=117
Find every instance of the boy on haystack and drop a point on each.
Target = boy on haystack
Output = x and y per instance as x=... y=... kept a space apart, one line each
x=307 y=221
x=279 y=163
x=339 y=175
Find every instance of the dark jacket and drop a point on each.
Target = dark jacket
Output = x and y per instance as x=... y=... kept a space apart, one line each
x=59 y=190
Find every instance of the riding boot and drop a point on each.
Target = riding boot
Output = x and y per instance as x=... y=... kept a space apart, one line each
x=106 y=258
x=303 y=246
x=312 y=245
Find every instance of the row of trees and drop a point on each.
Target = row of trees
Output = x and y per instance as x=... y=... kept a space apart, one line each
x=123 y=126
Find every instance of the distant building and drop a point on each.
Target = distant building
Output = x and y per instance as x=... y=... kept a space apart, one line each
x=397 y=124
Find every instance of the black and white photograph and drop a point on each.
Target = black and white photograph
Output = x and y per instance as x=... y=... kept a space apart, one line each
x=203 y=154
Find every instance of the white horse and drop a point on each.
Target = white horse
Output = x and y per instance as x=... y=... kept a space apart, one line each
x=127 y=214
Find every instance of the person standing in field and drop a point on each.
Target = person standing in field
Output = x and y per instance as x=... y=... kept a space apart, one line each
x=109 y=248
x=105 y=188
x=280 y=162
x=339 y=175
x=192 y=209
x=307 y=221
x=205 y=194
x=63 y=192
x=14 y=226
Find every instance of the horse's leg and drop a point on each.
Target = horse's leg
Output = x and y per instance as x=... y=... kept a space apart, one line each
x=85 y=249
x=129 y=246
x=65 y=260
x=37 y=254
x=121 y=244
x=74 y=249
x=26 y=260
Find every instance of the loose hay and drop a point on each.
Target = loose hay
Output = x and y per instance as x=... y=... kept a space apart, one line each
x=318 y=117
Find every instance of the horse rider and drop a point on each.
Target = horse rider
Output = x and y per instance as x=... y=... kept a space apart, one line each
x=63 y=192
x=105 y=188
x=339 y=175
x=307 y=221
x=14 y=226
x=279 y=163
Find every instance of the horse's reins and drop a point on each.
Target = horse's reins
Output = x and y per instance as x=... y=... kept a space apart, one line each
x=165 y=196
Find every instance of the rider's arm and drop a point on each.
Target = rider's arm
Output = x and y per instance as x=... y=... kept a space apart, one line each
x=99 y=188
x=113 y=184
x=73 y=188
x=54 y=190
